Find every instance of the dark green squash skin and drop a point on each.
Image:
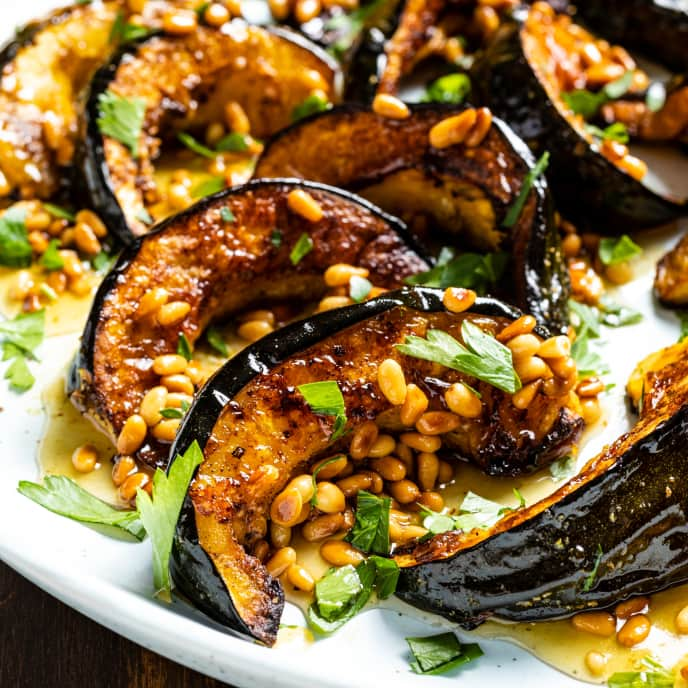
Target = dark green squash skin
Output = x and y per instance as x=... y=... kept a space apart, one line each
x=539 y=569
x=192 y=570
x=586 y=186
x=658 y=30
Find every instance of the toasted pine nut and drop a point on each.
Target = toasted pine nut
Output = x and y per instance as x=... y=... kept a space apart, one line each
x=166 y=429
x=404 y=491
x=523 y=346
x=563 y=367
x=590 y=410
x=453 y=130
x=124 y=467
x=169 y=364
x=195 y=372
x=330 y=302
x=236 y=118
x=280 y=9
x=390 y=377
x=38 y=242
x=602 y=73
x=590 y=387
x=72 y=265
x=420 y=442
x=216 y=15
x=596 y=662
x=179 y=22
x=487 y=20
x=523 y=325
x=38 y=221
x=383 y=445
x=179 y=196
x=596 y=623
x=428 y=468
x=462 y=401
x=340 y=553
x=529 y=369
x=322 y=527
x=414 y=406
x=633 y=606
x=302 y=203
x=5 y=187
x=619 y=273
x=479 y=130
x=389 y=467
x=633 y=166
x=329 y=498
x=132 y=435
x=571 y=245
x=332 y=469
x=178 y=399
x=431 y=500
x=555 y=347
x=264 y=315
x=253 y=330
x=127 y=490
x=173 y=312
x=634 y=631
x=23 y=285
x=304 y=484
x=402 y=534
x=280 y=561
x=352 y=485
x=154 y=400
x=340 y=274
x=57 y=281
x=88 y=217
x=557 y=386
x=280 y=536
x=446 y=473
x=390 y=107
x=177 y=383
x=86 y=240
x=80 y=286
x=85 y=458
x=376 y=482
x=437 y=422
x=458 y=299
x=524 y=397
x=300 y=578
x=681 y=621
x=364 y=437
x=286 y=507
x=152 y=300
x=305 y=10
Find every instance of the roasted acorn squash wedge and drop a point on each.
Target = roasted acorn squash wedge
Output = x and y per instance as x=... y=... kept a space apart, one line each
x=451 y=195
x=250 y=416
x=185 y=82
x=221 y=268
x=44 y=70
x=618 y=529
x=587 y=186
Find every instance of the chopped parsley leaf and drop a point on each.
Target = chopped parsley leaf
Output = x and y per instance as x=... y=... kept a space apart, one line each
x=121 y=119
x=437 y=654
x=51 y=258
x=15 y=249
x=302 y=247
x=370 y=532
x=451 y=88
x=532 y=175
x=613 y=251
x=325 y=399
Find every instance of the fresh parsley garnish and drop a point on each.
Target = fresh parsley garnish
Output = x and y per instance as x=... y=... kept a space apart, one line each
x=482 y=356
x=614 y=314
x=588 y=361
x=325 y=399
x=276 y=238
x=103 y=261
x=63 y=496
x=302 y=247
x=590 y=578
x=451 y=88
x=520 y=497
x=216 y=340
x=474 y=271
x=587 y=103
x=348 y=26
x=25 y=331
x=51 y=258
x=192 y=144
x=15 y=249
x=144 y=216
x=312 y=104
x=18 y=375
x=172 y=413
x=614 y=132
x=359 y=288
x=651 y=675
x=332 y=459
x=227 y=215
x=184 y=347
x=370 y=532
x=683 y=323
x=208 y=187
x=563 y=469
x=59 y=212
x=234 y=142
x=613 y=251
x=124 y=32
x=121 y=119
x=536 y=171
x=585 y=319
x=161 y=512
x=655 y=97
x=437 y=654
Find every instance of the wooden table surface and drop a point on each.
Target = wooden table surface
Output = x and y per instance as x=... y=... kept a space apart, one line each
x=45 y=644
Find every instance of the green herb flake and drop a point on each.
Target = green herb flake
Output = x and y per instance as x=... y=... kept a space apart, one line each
x=335 y=591
x=276 y=238
x=312 y=104
x=63 y=496
x=683 y=324
x=184 y=347
x=348 y=26
x=651 y=675
x=227 y=215
x=302 y=247
x=588 y=361
x=585 y=319
x=482 y=356
x=327 y=462
x=437 y=654
x=533 y=174
x=192 y=144
x=59 y=212
x=15 y=249
x=520 y=497
x=370 y=532
x=359 y=288
x=216 y=340
x=590 y=578
x=171 y=413
x=144 y=216
x=19 y=376
x=614 y=132
x=121 y=119
x=614 y=314
x=25 y=331
x=124 y=32
x=51 y=259
x=587 y=103
x=563 y=469
x=655 y=97
x=613 y=251
x=160 y=514
x=477 y=512
x=325 y=399
x=210 y=186
x=234 y=142
x=619 y=87
x=451 y=88
x=386 y=576
x=102 y=261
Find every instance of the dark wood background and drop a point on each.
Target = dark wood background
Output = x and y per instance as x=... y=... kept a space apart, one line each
x=44 y=643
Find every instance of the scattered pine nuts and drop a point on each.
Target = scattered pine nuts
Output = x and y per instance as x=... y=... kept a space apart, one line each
x=85 y=458
x=390 y=107
x=302 y=203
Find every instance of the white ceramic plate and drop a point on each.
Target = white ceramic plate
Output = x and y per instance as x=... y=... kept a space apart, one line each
x=110 y=581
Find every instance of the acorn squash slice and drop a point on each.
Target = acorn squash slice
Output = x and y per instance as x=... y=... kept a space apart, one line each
x=616 y=530
x=250 y=415
x=221 y=258
x=455 y=195
x=185 y=83
x=588 y=187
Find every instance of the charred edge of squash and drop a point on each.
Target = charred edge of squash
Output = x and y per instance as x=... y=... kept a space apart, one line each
x=583 y=181
x=80 y=375
x=546 y=296
x=192 y=569
x=90 y=155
